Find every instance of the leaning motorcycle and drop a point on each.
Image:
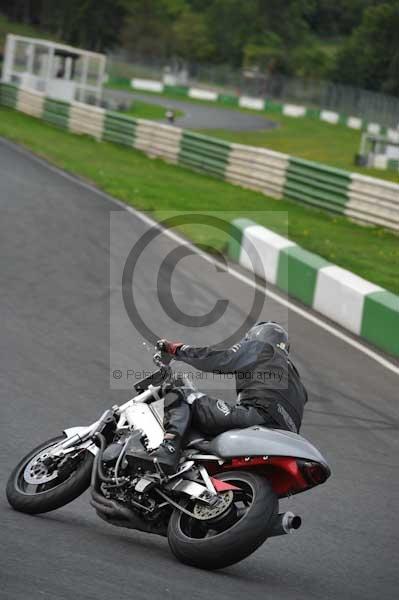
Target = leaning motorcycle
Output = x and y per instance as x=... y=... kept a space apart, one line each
x=217 y=509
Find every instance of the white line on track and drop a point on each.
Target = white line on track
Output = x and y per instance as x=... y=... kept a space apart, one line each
x=240 y=276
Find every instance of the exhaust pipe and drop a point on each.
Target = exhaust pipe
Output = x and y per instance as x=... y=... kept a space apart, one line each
x=284 y=523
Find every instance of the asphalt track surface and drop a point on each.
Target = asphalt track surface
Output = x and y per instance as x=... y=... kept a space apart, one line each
x=54 y=372
x=199 y=116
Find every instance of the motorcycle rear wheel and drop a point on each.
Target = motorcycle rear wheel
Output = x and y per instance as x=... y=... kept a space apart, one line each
x=218 y=543
x=52 y=490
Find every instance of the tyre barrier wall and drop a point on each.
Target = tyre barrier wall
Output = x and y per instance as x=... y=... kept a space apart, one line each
x=204 y=153
x=275 y=174
x=362 y=307
x=278 y=175
x=261 y=104
x=152 y=138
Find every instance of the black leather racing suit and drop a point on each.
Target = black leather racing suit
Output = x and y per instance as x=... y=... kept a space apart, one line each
x=269 y=388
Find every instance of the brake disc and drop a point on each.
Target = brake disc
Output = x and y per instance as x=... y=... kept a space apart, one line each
x=203 y=512
x=37 y=472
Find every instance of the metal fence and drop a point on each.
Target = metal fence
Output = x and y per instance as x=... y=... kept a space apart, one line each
x=349 y=100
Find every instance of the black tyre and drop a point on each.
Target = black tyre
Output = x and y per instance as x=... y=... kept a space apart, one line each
x=230 y=537
x=53 y=489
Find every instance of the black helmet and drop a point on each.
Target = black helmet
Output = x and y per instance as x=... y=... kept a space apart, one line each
x=270 y=332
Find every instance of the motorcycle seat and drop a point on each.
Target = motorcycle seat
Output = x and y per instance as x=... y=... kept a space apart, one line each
x=197 y=440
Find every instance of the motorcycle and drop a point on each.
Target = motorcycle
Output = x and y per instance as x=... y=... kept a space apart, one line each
x=219 y=506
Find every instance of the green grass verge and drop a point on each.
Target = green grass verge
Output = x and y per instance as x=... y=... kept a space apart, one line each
x=156 y=186
x=308 y=138
x=143 y=110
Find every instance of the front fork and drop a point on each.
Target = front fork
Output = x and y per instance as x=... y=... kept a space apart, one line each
x=82 y=437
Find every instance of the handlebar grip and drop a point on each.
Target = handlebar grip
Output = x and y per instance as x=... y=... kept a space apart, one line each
x=162 y=359
x=157 y=359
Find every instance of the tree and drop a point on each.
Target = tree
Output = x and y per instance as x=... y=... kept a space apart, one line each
x=279 y=36
x=286 y=18
x=88 y=23
x=267 y=54
x=311 y=62
x=231 y=24
x=337 y=17
x=191 y=37
x=148 y=27
x=370 y=57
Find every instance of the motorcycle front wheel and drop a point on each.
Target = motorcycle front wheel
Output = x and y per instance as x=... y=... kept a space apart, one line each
x=38 y=485
x=228 y=537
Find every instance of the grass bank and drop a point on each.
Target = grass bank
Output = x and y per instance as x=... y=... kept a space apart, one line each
x=155 y=186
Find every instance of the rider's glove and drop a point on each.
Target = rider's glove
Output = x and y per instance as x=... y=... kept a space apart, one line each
x=169 y=347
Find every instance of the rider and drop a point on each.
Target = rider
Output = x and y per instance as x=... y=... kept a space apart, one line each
x=269 y=389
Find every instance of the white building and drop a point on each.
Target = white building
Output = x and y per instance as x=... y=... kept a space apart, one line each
x=61 y=72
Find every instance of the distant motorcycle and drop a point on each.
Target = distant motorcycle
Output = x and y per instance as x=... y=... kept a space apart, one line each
x=218 y=508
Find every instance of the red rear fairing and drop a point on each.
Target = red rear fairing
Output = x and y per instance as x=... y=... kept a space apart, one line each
x=286 y=474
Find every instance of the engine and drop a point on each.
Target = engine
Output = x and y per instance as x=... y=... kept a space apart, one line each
x=120 y=462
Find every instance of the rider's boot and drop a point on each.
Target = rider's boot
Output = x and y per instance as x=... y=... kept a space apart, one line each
x=167 y=455
x=177 y=419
